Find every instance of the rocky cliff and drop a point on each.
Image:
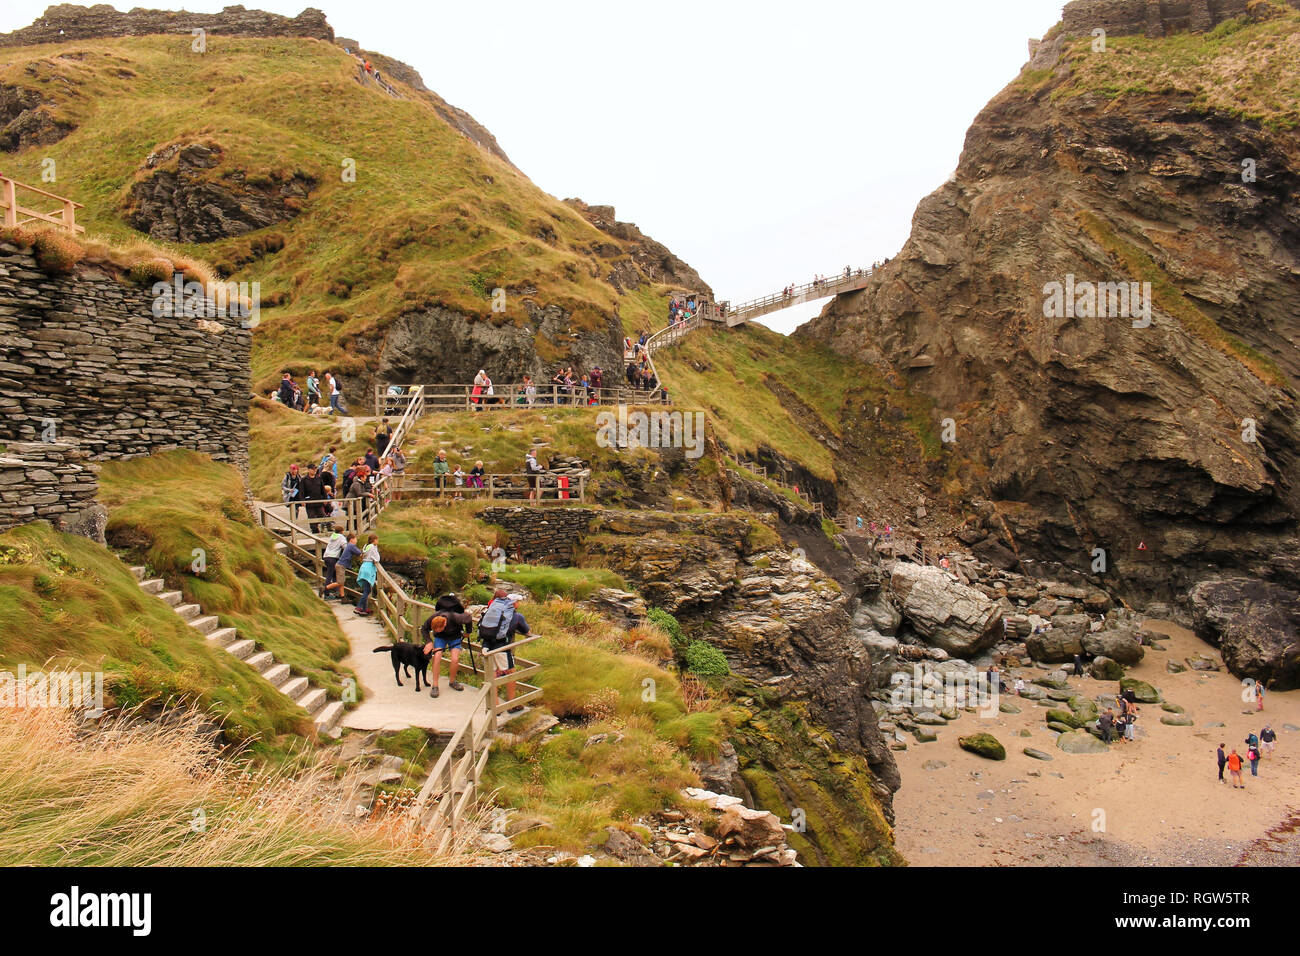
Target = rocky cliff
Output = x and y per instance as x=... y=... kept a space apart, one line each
x=1109 y=287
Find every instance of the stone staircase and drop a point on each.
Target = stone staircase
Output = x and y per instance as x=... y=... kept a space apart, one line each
x=325 y=714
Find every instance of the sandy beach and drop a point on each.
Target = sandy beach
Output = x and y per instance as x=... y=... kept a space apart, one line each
x=1152 y=801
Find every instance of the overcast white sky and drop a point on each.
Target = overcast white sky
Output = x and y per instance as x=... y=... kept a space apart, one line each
x=760 y=141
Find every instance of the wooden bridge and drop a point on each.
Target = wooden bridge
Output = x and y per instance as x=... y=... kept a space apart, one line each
x=847 y=281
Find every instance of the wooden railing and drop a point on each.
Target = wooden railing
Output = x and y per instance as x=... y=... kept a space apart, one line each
x=848 y=281
x=550 y=489
x=65 y=217
x=755 y=468
x=450 y=398
x=453 y=786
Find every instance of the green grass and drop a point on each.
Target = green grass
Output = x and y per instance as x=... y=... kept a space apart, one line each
x=1238 y=68
x=576 y=583
x=165 y=507
x=596 y=680
x=68 y=603
x=429 y=220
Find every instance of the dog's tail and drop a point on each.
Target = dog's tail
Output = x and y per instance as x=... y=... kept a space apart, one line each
x=385 y=649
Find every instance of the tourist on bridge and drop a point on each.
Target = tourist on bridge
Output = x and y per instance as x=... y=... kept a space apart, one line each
x=367 y=574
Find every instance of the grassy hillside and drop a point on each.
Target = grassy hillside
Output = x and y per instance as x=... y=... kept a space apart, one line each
x=430 y=218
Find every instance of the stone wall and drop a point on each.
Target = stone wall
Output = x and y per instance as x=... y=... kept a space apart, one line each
x=1150 y=17
x=83 y=360
x=50 y=481
x=542 y=534
x=68 y=21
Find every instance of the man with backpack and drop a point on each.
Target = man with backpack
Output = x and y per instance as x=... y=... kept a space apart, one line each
x=496 y=628
x=450 y=638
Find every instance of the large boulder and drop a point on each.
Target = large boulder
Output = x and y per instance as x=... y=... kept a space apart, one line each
x=1061 y=641
x=986 y=745
x=947 y=613
x=750 y=828
x=1120 y=644
x=1254 y=623
x=1103 y=668
x=1081 y=742
x=1142 y=691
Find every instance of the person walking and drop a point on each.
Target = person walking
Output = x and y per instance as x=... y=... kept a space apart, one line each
x=289 y=490
x=497 y=628
x=336 y=394
x=349 y=554
x=367 y=574
x=333 y=548
x=1234 y=770
x=1078 y=665
x=1223 y=761
x=313 y=390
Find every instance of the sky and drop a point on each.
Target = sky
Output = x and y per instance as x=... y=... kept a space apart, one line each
x=761 y=142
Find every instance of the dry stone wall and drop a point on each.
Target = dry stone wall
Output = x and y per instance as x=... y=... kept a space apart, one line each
x=85 y=362
x=50 y=481
x=545 y=535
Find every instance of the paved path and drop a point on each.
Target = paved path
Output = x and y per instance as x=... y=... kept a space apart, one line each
x=384 y=705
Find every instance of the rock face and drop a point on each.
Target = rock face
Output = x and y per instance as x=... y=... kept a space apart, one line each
x=948 y=614
x=68 y=21
x=653 y=258
x=186 y=198
x=26 y=120
x=1119 y=645
x=778 y=619
x=442 y=345
x=1255 y=624
x=1128 y=435
x=1081 y=742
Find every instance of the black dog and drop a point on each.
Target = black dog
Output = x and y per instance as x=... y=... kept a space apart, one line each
x=408 y=656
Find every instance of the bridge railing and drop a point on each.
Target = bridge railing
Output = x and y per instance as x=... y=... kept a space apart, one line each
x=550 y=488
x=815 y=289
x=17 y=214
x=452 y=398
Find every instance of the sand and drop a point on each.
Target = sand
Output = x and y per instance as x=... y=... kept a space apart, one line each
x=1153 y=801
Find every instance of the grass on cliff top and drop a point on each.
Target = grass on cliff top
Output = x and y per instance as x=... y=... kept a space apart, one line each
x=599 y=678
x=66 y=603
x=126 y=796
x=1239 y=68
x=727 y=373
x=429 y=218
x=1170 y=299
x=165 y=507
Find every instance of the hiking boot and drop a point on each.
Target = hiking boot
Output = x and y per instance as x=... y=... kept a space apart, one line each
x=434 y=692
x=456 y=685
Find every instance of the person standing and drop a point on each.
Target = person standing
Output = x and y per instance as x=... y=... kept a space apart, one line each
x=1078 y=665
x=534 y=472
x=349 y=554
x=448 y=637
x=1252 y=754
x=1259 y=695
x=1223 y=761
x=1131 y=720
x=289 y=490
x=383 y=435
x=313 y=390
x=1234 y=770
x=1267 y=739
x=440 y=470
x=1106 y=723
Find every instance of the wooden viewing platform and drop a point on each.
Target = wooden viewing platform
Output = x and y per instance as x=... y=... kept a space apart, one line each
x=461 y=398
x=17 y=214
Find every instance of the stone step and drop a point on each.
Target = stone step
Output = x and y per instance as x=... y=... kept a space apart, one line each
x=294 y=687
x=206 y=624
x=277 y=674
x=313 y=700
x=262 y=660
x=153 y=586
x=242 y=649
x=171 y=597
x=188 y=611
x=224 y=636
x=139 y=572
x=329 y=718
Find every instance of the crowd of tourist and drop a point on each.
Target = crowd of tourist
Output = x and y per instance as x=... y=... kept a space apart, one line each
x=309 y=399
x=319 y=490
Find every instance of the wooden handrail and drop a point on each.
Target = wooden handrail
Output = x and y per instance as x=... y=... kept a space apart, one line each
x=64 y=218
